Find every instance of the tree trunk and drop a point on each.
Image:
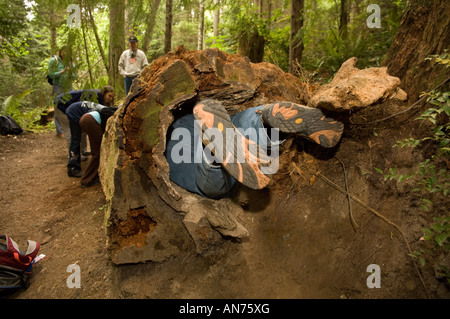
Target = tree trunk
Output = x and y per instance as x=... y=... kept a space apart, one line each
x=343 y=19
x=201 y=24
x=251 y=43
x=128 y=27
x=168 y=33
x=424 y=31
x=150 y=24
x=97 y=37
x=116 y=43
x=53 y=21
x=296 y=37
x=216 y=18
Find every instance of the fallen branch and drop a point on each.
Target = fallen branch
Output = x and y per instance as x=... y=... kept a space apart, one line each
x=370 y=209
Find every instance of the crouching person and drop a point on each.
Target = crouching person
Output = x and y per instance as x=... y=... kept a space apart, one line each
x=74 y=112
x=93 y=124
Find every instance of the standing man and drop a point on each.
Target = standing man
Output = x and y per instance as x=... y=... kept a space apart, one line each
x=132 y=62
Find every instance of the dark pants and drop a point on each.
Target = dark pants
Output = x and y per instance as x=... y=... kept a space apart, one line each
x=74 y=165
x=95 y=133
x=128 y=82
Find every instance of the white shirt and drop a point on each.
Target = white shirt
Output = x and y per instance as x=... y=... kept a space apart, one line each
x=129 y=66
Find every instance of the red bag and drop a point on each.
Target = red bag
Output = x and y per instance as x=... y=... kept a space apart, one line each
x=12 y=256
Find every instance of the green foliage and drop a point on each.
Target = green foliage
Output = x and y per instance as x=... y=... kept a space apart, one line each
x=431 y=176
x=441 y=59
x=27 y=118
x=438 y=234
x=12 y=17
x=326 y=49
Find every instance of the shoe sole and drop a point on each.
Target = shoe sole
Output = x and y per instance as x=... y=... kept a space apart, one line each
x=76 y=175
x=247 y=170
x=309 y=122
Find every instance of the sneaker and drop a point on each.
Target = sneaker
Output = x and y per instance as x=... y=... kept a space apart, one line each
x=74 y=173
x=247 y=170
x=94 y=182
x=303 y=120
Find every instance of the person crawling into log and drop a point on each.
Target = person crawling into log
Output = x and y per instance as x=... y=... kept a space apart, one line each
x=209 y=152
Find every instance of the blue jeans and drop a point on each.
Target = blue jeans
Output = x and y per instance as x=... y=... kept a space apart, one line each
x=74 y=164
x=128 y=82
x=57 y=90
x=197 y=173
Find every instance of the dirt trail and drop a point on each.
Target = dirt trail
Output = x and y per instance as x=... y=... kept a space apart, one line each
x=301 y=243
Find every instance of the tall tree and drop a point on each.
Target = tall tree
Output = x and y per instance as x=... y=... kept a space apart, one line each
x=296 y=37
x=424 y=31
x=116 y=42
x=216 y=18
x=201 y=24
x=343 y=19
x=251 y=40
x=150 y=23
x=168 y=33
x=126 y=19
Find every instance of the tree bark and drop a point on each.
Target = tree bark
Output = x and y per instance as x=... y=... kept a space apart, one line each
x=53 y=44
x=150 y=24
x=128 y=27
x=251 y=43
x=201 y=24
x=216 y=18
x=343 y=19
x=168 y=33
x=423 y=31
x=116 y=43
x=296 y=37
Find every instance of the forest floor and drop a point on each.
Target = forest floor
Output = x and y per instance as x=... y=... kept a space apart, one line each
x=301 y=242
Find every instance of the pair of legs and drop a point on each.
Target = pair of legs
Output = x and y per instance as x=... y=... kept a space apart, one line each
x=241 y=144
x=95 y=133
x=63 y=121
x=128 y=82
x=57 y=90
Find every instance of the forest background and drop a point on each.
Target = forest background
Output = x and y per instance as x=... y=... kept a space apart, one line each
x=310 y=38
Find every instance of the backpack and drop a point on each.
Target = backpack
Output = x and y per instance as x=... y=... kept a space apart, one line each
x=15 y=265
x=9 y=126
x=48 y=77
